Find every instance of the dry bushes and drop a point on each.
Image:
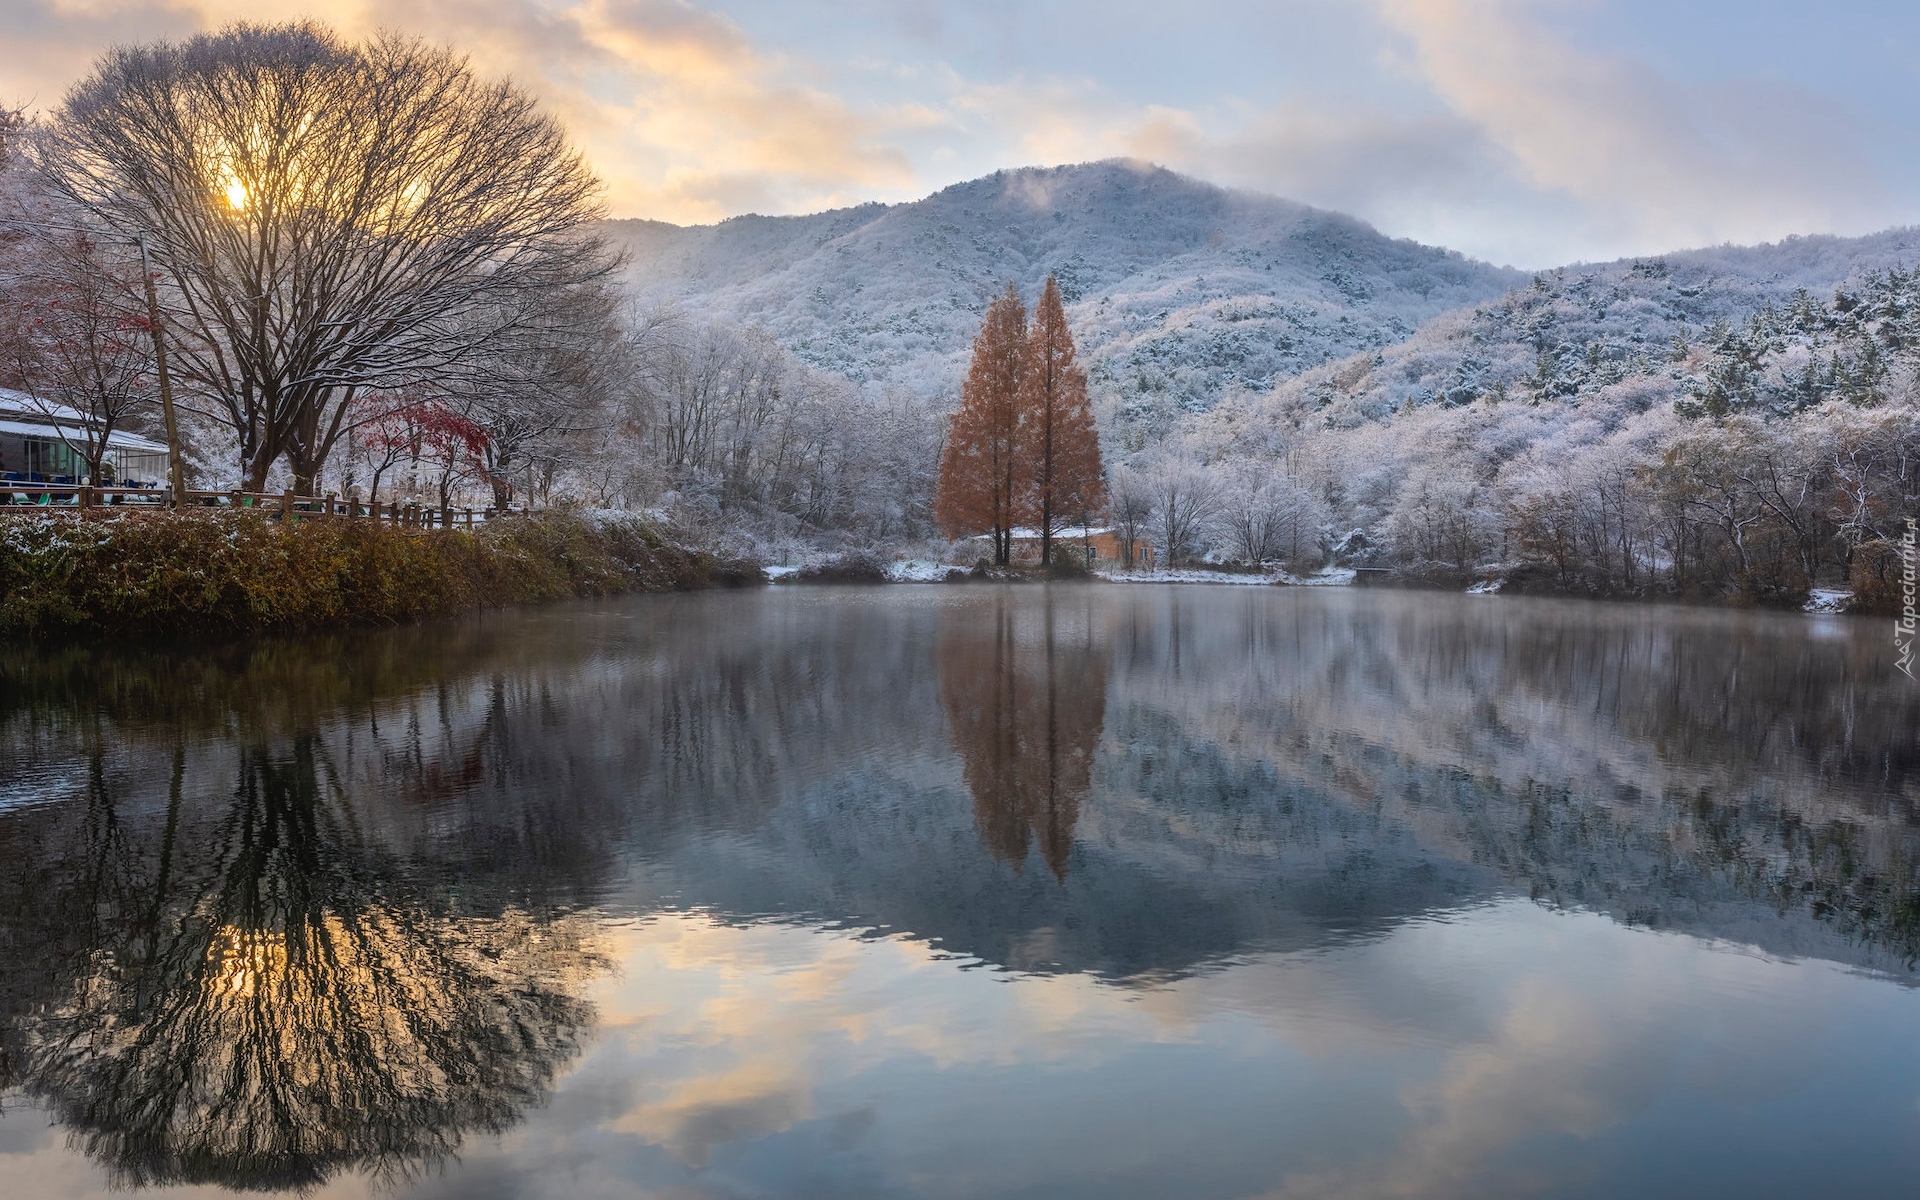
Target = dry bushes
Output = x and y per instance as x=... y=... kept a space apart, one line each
x=140 y=573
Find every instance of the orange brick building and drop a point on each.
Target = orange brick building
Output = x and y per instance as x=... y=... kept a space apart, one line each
x=1099 y=544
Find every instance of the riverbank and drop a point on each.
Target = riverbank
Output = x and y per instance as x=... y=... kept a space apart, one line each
x=199 y=574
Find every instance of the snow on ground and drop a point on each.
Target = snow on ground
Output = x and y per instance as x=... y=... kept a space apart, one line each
x=1487 y=587
x=918 y=570
x=1329 y=577
x=1185 y=577
x=776 y=574
x=1824 y=600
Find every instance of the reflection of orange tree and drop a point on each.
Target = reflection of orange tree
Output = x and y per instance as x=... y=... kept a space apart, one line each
x=1027 y=707
x=277 y=1007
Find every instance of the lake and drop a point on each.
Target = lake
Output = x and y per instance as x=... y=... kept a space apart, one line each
x=981 y=891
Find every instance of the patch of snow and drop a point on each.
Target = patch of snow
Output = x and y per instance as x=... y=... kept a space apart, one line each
x=1486 y=587
x=1186 y=577
x=776 y=574
x=603 y=517
x=1825 y=600
x=918 y=570
x=1328 y=577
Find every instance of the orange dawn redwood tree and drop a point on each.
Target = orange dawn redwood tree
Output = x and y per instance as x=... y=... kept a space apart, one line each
x=1060 y=447
x=979 y=485
x=1022 y=446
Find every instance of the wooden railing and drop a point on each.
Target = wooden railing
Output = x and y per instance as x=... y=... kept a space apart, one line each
x=19 y=497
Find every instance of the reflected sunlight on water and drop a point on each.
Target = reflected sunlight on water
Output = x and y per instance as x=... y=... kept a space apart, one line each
x=970 y=892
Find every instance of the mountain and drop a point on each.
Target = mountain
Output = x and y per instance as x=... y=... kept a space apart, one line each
x=1178 y=289
x=1775 y=327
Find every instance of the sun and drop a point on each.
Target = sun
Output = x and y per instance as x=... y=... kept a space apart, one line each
x=236 y=193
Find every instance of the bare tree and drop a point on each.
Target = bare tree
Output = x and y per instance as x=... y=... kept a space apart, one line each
x=73 y=339
x=736 y=430
x=1131 y=507
x=538 y=385
x=327 y=217
x=1250 y=514
x=1186 y=499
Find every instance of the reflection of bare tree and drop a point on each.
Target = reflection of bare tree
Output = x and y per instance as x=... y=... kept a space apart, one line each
x=274 y=1003
x=1027 y=706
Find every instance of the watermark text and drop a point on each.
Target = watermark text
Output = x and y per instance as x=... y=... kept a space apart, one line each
x=1904 y=624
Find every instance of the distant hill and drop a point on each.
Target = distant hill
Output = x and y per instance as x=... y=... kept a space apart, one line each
x=1178 y=289
x=1773 y=327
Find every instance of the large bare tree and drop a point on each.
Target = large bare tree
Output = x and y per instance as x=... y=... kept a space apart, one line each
x=327 y=217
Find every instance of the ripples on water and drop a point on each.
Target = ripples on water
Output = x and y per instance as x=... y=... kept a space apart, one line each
x=967 y=891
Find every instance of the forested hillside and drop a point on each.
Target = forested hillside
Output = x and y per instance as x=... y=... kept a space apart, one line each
x=1177 y=289
x=1731 y=422
x=1769 y=327
x=1275 y=382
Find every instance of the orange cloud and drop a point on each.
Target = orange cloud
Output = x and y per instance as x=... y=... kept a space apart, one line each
x=680 y=114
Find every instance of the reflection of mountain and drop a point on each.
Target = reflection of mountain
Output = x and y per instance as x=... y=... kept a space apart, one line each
x=1263 y=768
x=1025 y=712
x=252 y=992
x=1282 y=769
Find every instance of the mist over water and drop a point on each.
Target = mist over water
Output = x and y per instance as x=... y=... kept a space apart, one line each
x=965 y=891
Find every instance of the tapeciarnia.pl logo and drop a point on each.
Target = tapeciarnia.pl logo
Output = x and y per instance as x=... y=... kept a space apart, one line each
x=1903 y=626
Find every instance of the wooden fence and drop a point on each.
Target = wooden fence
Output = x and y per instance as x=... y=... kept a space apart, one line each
x=285 y=506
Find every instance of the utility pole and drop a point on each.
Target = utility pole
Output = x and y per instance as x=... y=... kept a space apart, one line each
x=176 y=472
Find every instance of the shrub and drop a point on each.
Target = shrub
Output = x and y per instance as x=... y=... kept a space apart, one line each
x=209 y=573
x=858 y=567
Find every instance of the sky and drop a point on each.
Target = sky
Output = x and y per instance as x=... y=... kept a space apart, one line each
x=1526 y=132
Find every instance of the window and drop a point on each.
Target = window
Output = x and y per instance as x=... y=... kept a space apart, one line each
x=51 y=459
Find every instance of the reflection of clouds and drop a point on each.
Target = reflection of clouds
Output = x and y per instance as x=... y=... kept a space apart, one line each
x=1487 y=1035
x=756 y=1059
x=1580 y=1044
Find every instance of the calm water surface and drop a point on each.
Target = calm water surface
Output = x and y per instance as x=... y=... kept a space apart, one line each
x=970 y=892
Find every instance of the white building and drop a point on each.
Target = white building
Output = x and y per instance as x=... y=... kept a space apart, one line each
x=41 y=443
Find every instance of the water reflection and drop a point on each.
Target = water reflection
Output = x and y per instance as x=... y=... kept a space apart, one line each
x=286 y=913
x=252 y=994
x=1026 y=698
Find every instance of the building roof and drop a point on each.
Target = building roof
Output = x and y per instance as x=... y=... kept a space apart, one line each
x=1073 y=533
x=23 y=416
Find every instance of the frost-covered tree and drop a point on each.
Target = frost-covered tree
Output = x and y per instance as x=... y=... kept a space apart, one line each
x=75 y=336
x=1186 y=503
x=326 y=217
x=1131 y=509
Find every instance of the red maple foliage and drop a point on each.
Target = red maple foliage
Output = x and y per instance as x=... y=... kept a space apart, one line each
x=405 y=427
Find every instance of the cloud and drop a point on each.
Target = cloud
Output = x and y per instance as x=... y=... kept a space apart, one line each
x=1480 y=124
x=1436 y=177
x=684 y=117
x=680 y=113
x=1650 y=162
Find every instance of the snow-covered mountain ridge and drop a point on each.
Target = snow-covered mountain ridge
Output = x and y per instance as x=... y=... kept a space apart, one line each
x=1181 y=292
x=1776 y=327
x=1178 y=289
